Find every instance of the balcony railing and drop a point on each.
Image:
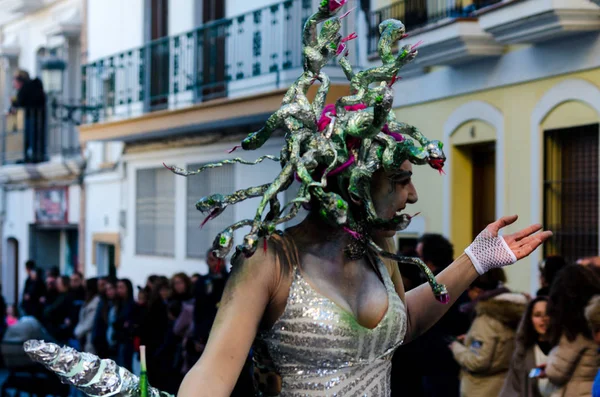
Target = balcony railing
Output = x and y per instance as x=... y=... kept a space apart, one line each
x=33 y=136
x=416 y=14
x=222 y=58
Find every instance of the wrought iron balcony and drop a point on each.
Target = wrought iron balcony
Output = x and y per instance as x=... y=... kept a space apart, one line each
x=31 y=136
x=416 y=14
x=231 y=57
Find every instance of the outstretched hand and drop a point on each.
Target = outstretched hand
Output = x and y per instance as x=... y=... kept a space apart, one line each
x=523 y=242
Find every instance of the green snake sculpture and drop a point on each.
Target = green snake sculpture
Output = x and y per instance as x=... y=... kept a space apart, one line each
x=341 y=144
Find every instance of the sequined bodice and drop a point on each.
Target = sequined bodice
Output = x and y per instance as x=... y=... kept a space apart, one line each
x=319 y=349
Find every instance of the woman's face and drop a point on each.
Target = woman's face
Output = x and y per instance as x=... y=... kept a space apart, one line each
x=539 y=318
x=165 y=293
x=179 y=286
x=391 y=192
x=122 y=291
x=110 y=291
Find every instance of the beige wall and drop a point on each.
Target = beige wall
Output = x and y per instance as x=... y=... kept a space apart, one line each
x=517 y=104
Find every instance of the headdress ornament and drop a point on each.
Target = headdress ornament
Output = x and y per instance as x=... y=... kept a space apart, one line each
x=339 y=145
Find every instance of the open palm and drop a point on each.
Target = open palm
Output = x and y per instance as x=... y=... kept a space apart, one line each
x=523 y=242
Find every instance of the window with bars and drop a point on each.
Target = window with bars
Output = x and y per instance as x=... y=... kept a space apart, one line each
x=571 y=191
x=155 y=212
x=216 y=180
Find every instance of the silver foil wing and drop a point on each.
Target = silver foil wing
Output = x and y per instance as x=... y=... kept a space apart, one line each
x=89 y=373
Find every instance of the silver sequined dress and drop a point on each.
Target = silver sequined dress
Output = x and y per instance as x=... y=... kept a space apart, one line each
x=318 y=348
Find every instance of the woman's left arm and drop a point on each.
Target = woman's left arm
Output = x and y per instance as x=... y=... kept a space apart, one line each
x=423 y=310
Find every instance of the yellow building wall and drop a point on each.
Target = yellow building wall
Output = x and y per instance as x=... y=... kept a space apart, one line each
x=516 y=103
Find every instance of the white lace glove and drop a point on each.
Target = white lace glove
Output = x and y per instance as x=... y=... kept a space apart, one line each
x=488 y=252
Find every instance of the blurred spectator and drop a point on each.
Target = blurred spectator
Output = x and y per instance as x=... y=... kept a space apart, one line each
x=208 y=290
x=531 y=351
x=484 y=287
x=194 y=278
x=99 y=331
x=573 y=362
x=87 y=314
x=432 y=366
x=11 y=315
x=153 y=334
x=31 y=98
x=57 y=313
x=77 y=288
x=181 y=287
x=150 y=281
x=485 y=356
x=51 y=290
x=34 y=290
x=120 y=324
x=592 y=315
x=548 y=270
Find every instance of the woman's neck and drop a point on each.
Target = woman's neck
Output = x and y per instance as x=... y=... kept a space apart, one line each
x=320 y=239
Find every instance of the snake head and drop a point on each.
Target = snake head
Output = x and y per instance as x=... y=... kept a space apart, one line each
x=334 y=209
x=223 y=244
x=436 y=157
x=215 y=202
x=331 y=6
x=392 y=28
x=250 y=244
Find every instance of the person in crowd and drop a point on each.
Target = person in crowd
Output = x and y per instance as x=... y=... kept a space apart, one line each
x=30 y=96
x=100 y=329
x=531 y=351
x=485 y=356
x=194 y=279
x=432 y=366
x=102 y=281
x=87 y=314
x=57 y=313
x=77 y=288
x=34 y=290
x=573 y=361
x=52 y=274
x=153 y=334
x=184 y=328
x=592 y=315
x=12 y=315
x=181 y=287
x=150 y=281
x=209 y=290
x=120 y=324
x=548 y=268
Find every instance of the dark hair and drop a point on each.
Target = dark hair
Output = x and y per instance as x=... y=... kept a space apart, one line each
x=570 y=293
x=490 y=280
x=550 y=267
x=66 y=281
x=77 y=273
x=155 y=297
x=526 y=333
x=187 y=294
x=91 y=288
x=129 y=286
x=53 y=272
x=437 y=250
x=30 y=264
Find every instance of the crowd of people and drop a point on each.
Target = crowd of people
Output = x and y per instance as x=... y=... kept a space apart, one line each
x=498 y=342
x=493 y=342
x=109 y=317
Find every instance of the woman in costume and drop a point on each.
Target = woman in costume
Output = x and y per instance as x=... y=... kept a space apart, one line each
x=323 y=303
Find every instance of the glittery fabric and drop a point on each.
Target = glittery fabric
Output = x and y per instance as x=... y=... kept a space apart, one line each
x=90 y=374
x=319 y=349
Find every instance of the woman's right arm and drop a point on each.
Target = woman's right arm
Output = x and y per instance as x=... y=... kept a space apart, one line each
x=246 y=296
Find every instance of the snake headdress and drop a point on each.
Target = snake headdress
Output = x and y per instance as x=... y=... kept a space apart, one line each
x=333 y=150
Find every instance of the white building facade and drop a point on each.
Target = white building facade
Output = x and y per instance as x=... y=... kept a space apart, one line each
x=181 y=82
x=40 y=201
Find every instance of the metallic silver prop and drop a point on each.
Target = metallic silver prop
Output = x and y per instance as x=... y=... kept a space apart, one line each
x=92 y=375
